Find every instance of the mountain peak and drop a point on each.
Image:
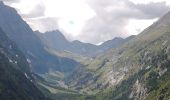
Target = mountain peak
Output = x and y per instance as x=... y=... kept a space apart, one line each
x=56 y=34
x=117 y=38
x=76 y=41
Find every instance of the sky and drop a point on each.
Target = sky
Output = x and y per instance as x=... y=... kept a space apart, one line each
x=91 y=21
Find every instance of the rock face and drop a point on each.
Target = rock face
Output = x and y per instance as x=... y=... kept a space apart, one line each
x=138 y=92
x=14 y=85
x=14 y=55
x=19 y=32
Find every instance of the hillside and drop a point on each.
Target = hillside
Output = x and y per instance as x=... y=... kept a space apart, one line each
x=141 y=69
x=39 y=66
x=16 y=81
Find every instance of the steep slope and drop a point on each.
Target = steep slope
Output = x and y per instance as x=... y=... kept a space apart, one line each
x=16 y=82
x=110 y=69
x=18 y=31
x=151 y=81
x=9 y=49
x=152 y=62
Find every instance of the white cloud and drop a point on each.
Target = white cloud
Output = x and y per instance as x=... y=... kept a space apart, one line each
x=91 y=21
x=25 y=6
x=114 y=19
x=71 y=14
x=136 y=26
x=149 y=1
x=43 y=24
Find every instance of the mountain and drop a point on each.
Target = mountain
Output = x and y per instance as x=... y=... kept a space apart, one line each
x=138 y=70
x=16 y=81
x=135 y=68
x=56 y=40
x=18 y=31
x=114 y=43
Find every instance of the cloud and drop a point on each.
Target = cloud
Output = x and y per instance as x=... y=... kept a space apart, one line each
x=10 y=1
x=37 y=11
x=113 y=16
x=43 y=24
x=91 y=21
x=148 y=11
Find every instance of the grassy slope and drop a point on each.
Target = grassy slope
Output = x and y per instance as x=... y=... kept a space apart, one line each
x=156 y=41
x=130 y=56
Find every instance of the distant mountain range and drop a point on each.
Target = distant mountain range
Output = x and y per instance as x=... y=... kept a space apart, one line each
x=56 y=40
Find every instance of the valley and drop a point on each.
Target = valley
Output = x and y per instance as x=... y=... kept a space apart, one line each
x=47 y=66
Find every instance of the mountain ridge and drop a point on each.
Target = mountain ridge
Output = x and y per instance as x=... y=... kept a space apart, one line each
x=56 y=40
x=29 y=43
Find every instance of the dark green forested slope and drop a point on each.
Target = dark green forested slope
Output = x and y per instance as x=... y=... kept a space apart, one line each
x=16 y=82
x=14 y=85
